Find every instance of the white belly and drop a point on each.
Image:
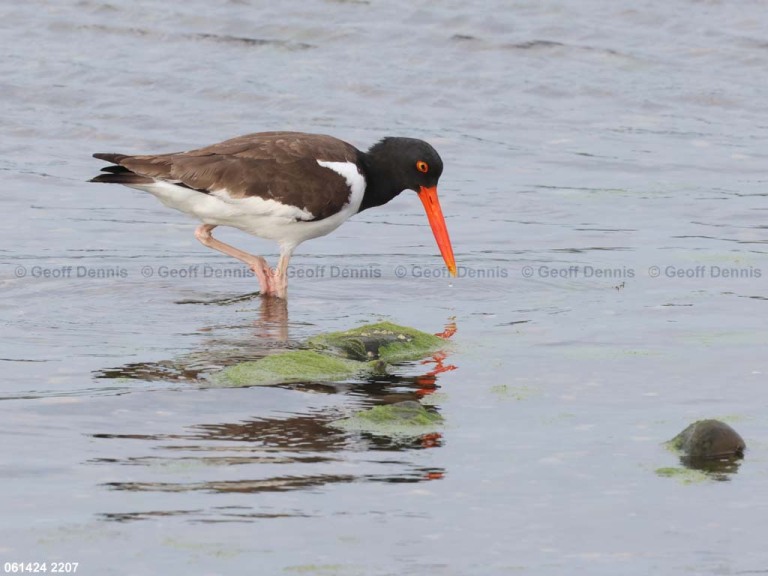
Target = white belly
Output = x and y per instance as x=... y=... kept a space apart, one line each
x=288 y=225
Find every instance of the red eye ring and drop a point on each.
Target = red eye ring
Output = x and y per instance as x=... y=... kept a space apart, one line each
x=422 y=166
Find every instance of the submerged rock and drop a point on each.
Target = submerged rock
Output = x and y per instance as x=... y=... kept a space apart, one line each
x=407 y=418
x=385 y=341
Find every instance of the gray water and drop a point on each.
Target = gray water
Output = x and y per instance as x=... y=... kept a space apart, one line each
x=594 y=151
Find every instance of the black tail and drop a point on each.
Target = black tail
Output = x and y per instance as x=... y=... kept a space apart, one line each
x=117 y=174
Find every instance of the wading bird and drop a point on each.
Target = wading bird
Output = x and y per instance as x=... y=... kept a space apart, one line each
x=284 y=186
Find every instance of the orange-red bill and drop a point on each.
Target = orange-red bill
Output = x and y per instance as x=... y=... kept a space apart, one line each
x=437 y=222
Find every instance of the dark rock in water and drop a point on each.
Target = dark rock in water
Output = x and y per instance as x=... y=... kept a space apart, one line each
x=706 y=441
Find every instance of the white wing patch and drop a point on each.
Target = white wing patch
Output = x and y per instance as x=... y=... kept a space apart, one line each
x=354 y=179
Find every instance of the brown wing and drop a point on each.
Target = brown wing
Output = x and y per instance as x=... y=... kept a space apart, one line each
x=281 y=166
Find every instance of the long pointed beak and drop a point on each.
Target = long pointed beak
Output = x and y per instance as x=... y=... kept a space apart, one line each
x=437 y=222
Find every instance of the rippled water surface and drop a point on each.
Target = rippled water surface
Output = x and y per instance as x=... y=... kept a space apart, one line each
x=605 y=189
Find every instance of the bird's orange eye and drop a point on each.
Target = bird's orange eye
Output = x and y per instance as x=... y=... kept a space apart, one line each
x=422 y=166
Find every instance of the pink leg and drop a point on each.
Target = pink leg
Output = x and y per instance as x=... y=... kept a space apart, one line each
x=259 y=266
x=279 y=281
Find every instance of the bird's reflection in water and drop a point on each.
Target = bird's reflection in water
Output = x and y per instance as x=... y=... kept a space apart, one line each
x=272 y=322
x=275 y=452
x=251 y=340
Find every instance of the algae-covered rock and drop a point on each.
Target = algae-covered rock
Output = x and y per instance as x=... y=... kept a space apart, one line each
x=407 y=418
x=336 y=356
x=294 y=366
x=708 y=440
x=384 y=340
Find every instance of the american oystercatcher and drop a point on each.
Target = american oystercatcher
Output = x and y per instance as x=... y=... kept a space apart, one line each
x=284 y=186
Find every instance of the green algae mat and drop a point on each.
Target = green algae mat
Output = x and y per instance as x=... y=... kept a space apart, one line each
x=407 y=418
x=336 y=356
x=383 y=341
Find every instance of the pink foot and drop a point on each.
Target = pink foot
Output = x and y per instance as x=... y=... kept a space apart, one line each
x=271 y=282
